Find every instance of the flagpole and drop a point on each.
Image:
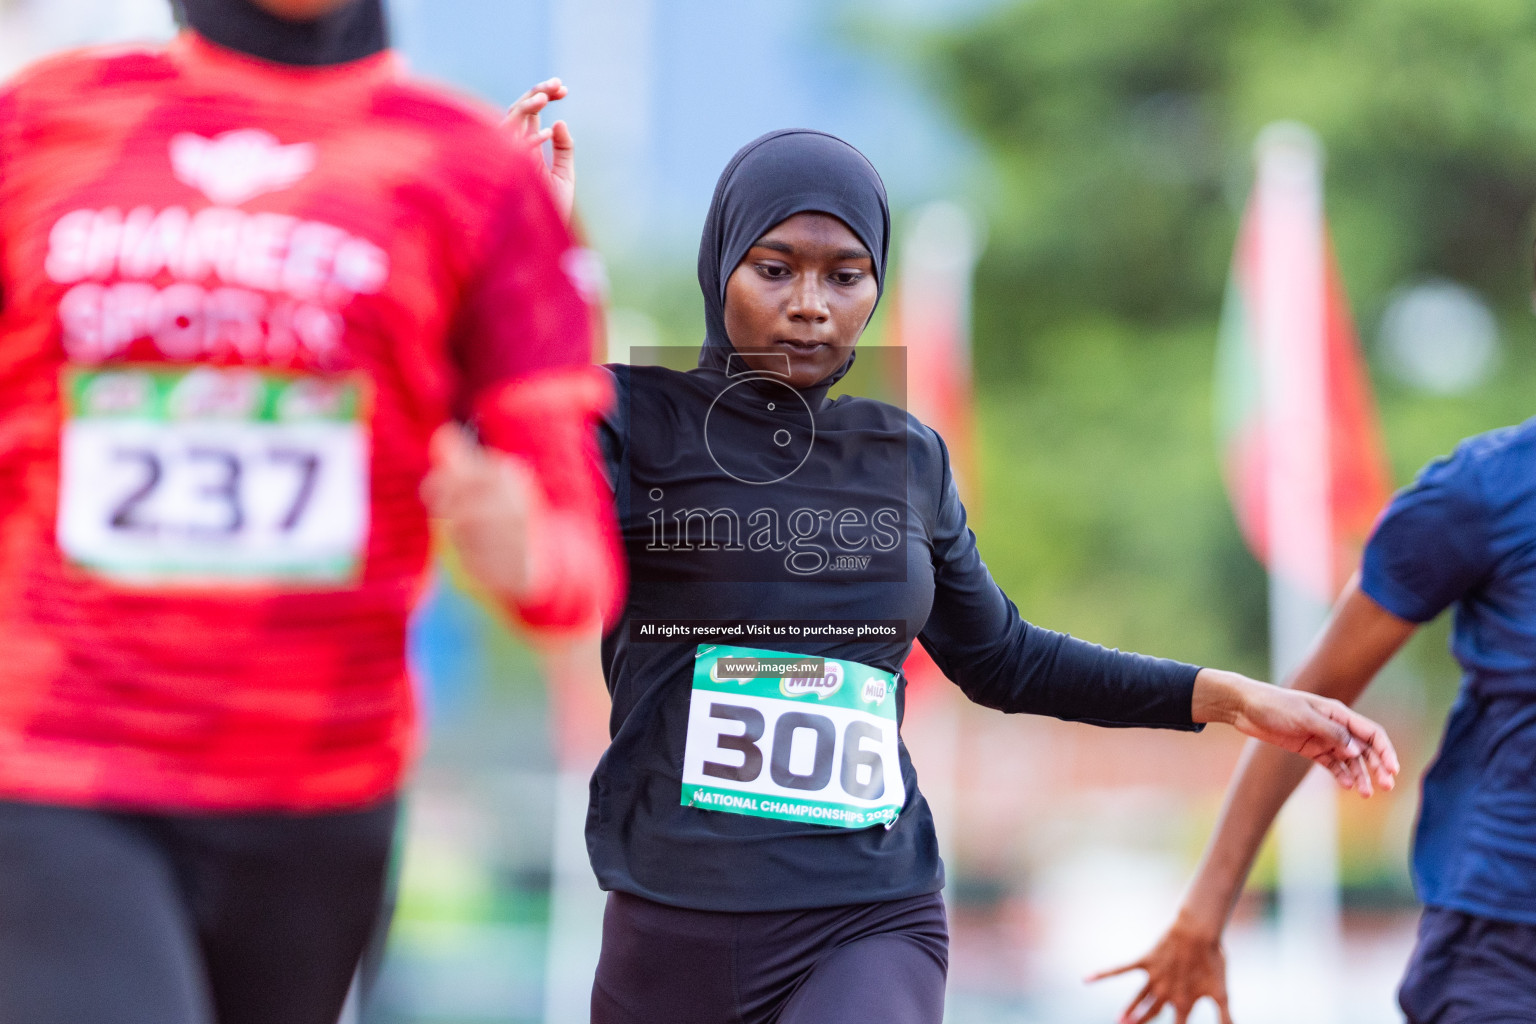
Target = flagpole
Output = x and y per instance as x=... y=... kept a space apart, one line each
x=1292 y=343
x=938 y=258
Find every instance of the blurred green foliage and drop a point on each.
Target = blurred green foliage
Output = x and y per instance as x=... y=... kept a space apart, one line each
x=1117 y=135
x=1120 y=132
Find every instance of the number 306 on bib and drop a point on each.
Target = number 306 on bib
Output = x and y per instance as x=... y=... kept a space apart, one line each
x=819 y=750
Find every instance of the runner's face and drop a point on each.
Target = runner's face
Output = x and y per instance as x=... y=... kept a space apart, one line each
x=804 y=290
x=302 y=10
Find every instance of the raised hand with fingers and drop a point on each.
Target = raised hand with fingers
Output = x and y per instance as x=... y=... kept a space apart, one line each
x=522 y=122
x=1183 y=968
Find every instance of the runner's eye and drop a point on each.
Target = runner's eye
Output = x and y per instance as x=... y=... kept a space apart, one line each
x=848 y=277
x=773 y=271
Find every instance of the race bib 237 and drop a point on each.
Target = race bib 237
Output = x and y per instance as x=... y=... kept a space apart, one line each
x=175 y=475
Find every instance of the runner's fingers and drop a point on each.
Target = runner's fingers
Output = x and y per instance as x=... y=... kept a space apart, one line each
x=1363 y=777
x=1324 y=741
x=1136 y=965
x=1363 y=732
x=1378 y=760
x=1353 y=775
x=564 y=147
x=1378 y=748
x=1340 y=769
x=446 y=452
x=464 y=479
x=524 y=110
x=1147 y=1002
x=523 y=116
x=1136 y=1000
x=450 y=448
x=1331 y=730
x=530 y=126
x=1348 y=771
x=1376 y=764
x=553 y=88
x=1153 y=1006
x=517 y=104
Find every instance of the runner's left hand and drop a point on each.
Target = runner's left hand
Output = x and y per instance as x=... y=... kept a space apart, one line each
x=1182 y=969
x=522 y=123
x=1354 y=748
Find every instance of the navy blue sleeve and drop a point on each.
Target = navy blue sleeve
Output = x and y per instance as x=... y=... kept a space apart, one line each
x=1432 y=543
x=978 y=639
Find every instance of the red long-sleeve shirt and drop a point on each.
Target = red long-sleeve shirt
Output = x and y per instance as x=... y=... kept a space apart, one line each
x=236 y=298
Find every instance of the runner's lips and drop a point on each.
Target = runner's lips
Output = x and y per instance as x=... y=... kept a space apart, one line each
x=798 y=345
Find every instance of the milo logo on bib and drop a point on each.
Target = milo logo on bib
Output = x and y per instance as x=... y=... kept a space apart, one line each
x=818 y=686
x=790 y=744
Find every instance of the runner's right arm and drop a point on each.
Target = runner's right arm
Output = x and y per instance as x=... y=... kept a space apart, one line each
x=1187 y=962
x=1428 y=550
x=523 y=342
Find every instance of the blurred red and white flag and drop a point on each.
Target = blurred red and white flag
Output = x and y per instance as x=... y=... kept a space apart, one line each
x=1296 y=422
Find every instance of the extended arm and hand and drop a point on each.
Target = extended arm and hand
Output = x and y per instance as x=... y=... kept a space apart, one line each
x=1187 y=963
x=978 y=639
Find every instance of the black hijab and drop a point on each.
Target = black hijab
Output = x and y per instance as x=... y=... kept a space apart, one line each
x=352 y=32
x=771 y=178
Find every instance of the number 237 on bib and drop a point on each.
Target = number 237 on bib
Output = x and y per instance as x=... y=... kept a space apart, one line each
x=821 y=750
x=205 y=476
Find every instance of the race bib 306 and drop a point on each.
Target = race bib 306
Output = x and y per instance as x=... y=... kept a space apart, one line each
x=819 y=747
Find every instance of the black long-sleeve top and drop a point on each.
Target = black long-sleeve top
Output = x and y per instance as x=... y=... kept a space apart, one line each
x=714 y=476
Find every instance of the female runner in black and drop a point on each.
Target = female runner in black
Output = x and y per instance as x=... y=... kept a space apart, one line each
x=759 y=827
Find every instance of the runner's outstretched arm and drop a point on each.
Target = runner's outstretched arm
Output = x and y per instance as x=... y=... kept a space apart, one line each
x=978 y=639
x=1187 y=963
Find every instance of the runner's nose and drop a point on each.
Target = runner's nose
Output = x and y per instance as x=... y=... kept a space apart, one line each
x=808 y=301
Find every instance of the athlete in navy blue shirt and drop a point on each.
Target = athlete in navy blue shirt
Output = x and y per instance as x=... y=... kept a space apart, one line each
x=1463 y=534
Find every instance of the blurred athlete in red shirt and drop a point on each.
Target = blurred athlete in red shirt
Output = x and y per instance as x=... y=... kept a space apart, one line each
x=243 y=279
